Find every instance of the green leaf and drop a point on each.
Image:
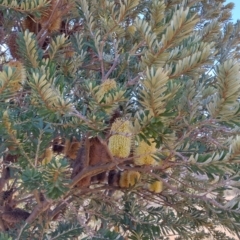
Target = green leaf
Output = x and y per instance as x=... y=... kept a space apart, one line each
x=65 y=230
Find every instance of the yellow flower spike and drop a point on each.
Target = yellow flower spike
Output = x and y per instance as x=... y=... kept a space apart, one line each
x=19 y=76
x=6 y=122
x=156 y=187
x=108 y=85
x=48 y=155
x=133 y=177
x=143 y=153
x=105 y=87
x=12 y=141
x=128 y=179
x=132 y=29
x=120 y=142
x=124 y=180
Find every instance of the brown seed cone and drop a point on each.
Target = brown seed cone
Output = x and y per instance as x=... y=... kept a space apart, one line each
x=79 y=165
x=99 y=153
x=31 y=24
x=12 y=44
x=10 y=158
x=58 y=145
x=56 y=17
x=15 y=216
x=6 y=195
x=113 y=178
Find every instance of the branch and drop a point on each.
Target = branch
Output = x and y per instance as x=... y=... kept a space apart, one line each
x=90 y=171
x=115 y=62
x=38 y=210
x=77 y=114
x=134 y=80
x=38 y=148
x=100 y=56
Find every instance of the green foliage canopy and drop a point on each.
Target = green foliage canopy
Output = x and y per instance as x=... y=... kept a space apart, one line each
x=176 y=69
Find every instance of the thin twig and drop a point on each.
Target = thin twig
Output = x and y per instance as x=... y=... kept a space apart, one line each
x=20 y=232
x=38 y=148
x=38 y=209
x=115 y=62
x=100 y=56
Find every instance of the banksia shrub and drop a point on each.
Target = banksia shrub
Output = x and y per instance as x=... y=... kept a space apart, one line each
x=140 y=83
x=120 y=142
x=143 y=154
x=156 y=187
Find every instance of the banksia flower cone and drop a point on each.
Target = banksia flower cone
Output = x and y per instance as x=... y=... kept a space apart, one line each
x=143 y=153
x=19 y=76
x=120 y=142
x=105 y=87
x=6 y=121
x=15 y=216
x=31 y=24
x=56 y=17
x=156 y=187
x=12 y=44
x=48 y=155
x=5 y=195
x=132 y=29
x=128 y=178
x=7 y=124
x=133 y=177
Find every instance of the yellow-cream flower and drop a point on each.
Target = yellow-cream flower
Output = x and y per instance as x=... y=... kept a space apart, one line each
x=48 y=155
x=133 y=177
x=15 y=84
x=120 y=142
x=156 y=186
x=105 y=87
x=144 y=153
x=128 y=178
